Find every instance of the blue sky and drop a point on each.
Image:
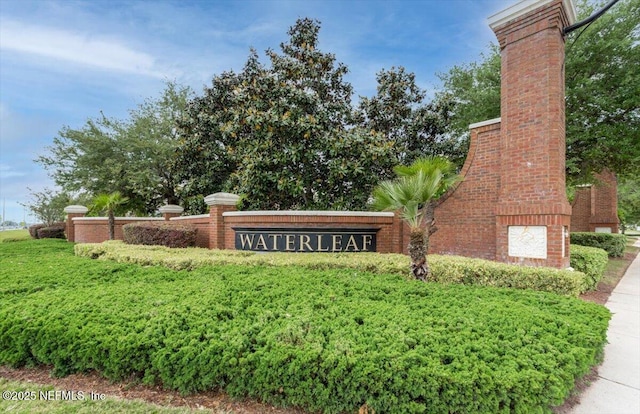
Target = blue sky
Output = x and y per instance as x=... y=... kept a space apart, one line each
x=62 y=62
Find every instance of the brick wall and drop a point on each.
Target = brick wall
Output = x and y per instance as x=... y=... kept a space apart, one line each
x=581 y=209
x=201 y=222
x=96 y=229
x=466 y=218
x=595 y=207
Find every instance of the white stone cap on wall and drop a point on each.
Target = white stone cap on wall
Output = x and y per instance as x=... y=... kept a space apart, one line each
x=76 y=209
x=221 y=199
x=308 y=213
x=525 y=6
x=171 y=209
x=485 y=123
x=199 y=216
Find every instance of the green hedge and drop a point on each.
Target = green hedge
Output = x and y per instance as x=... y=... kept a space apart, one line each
x=327 y=341
x=614 y=244
x=43 y=231
x=445 y=269
x=591 y=261
x=160 y=234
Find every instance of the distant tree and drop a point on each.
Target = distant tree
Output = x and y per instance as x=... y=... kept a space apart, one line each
x=109 y=203
x=48 y=206
x=602 y=89
x=472 y=92
x=603 y=92
x=414 y=192
x=401 y=114
x=629 y=202
x=133 y=156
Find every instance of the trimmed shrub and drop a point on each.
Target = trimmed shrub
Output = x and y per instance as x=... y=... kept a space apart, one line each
x=614 y=244
x=33 y=230
x=161 y=234
x=43 y=231
x=591 y=261
x=445 y=269
x=327 y=341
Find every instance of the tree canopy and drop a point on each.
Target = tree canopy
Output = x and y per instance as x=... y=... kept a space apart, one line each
x=133 y=156
x=284 y=136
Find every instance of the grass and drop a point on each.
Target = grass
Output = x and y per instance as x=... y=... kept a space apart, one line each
x=14 y=235
x=293 y=336
x=617 y=266
x=46 y=399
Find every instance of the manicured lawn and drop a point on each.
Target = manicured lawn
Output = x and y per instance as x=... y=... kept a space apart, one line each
x=617 y=266
x=326 y=340
x=13 y=235
x=25 y=398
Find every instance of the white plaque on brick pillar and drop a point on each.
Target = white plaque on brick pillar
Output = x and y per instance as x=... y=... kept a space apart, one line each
x=528 y=241
x=603 y=229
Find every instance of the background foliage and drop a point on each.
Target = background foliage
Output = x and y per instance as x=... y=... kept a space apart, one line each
x=602 y=88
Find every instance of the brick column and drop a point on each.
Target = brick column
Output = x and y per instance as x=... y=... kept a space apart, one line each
x=219 y=203
x=72 y=212
x=533 y=214
x=604 y=203
x=170 y=210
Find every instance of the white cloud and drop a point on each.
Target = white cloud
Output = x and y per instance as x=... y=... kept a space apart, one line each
x=7 y=172
x=76 y=48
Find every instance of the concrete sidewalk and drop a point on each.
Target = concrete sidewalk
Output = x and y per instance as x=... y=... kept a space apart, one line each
x=617 y=389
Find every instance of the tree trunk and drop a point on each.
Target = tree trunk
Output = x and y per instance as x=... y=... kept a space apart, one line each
x=112 y=225
x=418 y=254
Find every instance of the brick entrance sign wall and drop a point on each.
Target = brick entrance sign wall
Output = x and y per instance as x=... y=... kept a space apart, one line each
x=520 y=160
x=511 y=205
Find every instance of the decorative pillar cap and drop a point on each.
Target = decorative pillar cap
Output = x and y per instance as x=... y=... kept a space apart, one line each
x=171 y=209
x=525 y=6
x=76 y=210
x=221 y=199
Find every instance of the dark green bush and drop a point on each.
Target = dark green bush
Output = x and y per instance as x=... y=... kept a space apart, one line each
x=614 y=244
x=161 y=234
x=328 y=341
x=52 y=232
x=33 y=230
x=591 y=261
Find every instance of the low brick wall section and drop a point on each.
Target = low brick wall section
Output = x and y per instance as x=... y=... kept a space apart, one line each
x=96 y=229
x=201 y=222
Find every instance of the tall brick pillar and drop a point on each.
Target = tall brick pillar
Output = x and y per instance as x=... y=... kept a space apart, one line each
x=219 y=203
x=604 y=203
x=533 y=214
x=72 y=212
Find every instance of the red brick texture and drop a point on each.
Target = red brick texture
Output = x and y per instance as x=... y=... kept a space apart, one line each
x=466 y=218
x=532 y=148
x=96 y=229
x=596 y=206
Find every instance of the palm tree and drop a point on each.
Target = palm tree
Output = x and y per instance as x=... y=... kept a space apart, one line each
x=415 y=192
x=109 y=203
